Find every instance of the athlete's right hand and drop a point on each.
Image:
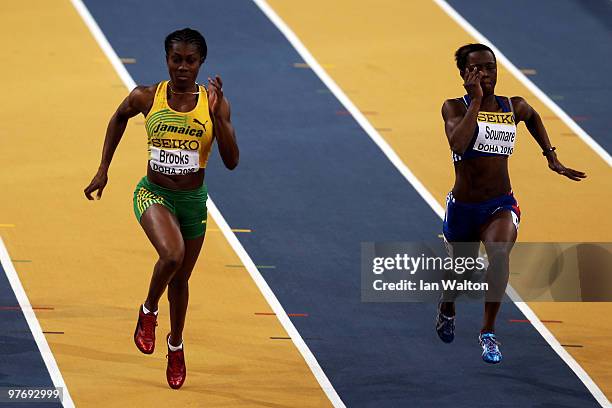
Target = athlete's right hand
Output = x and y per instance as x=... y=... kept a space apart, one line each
x=472 y=84
x=97 y=183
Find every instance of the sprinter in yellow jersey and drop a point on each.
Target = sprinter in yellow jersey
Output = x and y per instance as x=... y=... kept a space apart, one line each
x=182 y=118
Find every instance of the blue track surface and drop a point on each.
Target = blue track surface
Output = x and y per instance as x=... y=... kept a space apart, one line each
x=21 y=364
x=568 y=43
x=313 y=186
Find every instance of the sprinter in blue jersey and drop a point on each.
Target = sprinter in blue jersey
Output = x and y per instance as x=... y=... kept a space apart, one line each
x=481 y=132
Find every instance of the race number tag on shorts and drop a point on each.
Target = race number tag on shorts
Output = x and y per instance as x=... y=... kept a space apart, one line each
x=174 y=161
x=496 y=133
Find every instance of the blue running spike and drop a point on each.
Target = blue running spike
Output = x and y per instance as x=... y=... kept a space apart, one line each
x=490 y=348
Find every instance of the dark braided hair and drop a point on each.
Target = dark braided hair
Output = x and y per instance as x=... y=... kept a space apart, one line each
x=462 y=53
x=188 y=36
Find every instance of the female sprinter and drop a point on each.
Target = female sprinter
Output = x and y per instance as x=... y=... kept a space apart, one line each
x=481 y=131
x=181 y=118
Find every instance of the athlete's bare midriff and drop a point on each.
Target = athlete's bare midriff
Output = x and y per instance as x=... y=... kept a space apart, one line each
x=481 y=178
x=178 y=182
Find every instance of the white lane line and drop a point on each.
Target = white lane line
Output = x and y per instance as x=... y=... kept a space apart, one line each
x=586 y=138
x=420 y=188
x=558 y=348
x=224 y=227
x=30 y=316
x=348 y=104
x=310 y=359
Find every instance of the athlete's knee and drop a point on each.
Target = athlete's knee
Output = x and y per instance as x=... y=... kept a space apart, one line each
x=172 y=258
x=498 y=256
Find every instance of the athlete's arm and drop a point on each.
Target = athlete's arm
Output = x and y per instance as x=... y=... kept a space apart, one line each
x=138 y=101
x=459 y=124
x=523 y=112
x=224 y=130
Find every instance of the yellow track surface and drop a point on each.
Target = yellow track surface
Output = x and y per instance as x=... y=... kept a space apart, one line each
x=91 y=261
x=394 y=60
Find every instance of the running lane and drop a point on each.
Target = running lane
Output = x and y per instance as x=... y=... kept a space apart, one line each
x=411 y=75
x=91 y=262
x=566 y=42
x=313 y=186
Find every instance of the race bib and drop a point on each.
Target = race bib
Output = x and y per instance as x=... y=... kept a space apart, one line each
x=496 y=133
x=173 y=162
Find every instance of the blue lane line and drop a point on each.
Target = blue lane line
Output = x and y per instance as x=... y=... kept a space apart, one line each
x=313 y=186
x=567 y=42
x=21 y=364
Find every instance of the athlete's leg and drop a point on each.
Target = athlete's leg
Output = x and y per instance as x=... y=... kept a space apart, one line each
x=178 y=289
x=498 y=236
x=162 y=229
x=456 y=250
x=461 y=237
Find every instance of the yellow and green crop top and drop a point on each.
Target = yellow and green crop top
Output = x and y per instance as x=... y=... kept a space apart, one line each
x=179 y=142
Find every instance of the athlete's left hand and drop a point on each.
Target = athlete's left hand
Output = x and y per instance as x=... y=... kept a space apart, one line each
x=215 y=95
x=555 y=165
